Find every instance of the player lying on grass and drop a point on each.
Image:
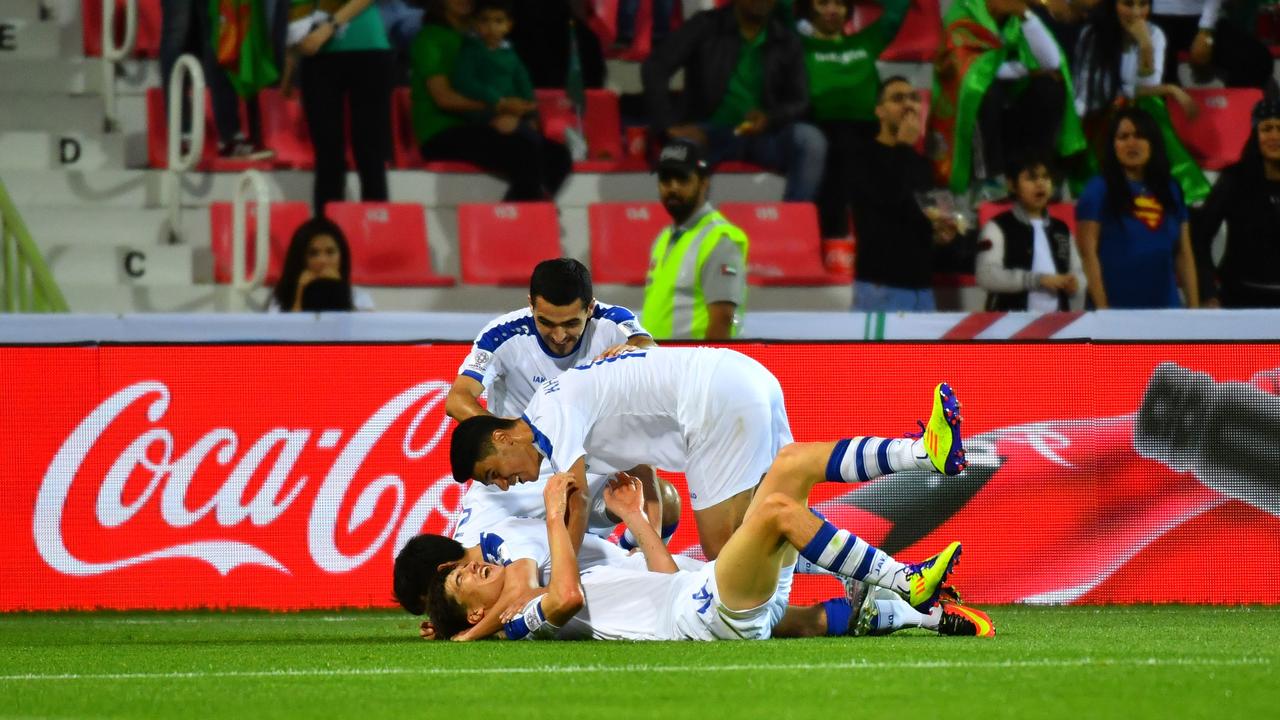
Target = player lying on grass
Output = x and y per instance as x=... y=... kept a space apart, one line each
x=741 y=595
x=520 y=544
x=712 y=413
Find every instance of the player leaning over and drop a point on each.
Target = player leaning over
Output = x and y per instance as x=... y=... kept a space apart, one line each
x=712 y=413
x=740 y=595
x=563 y=326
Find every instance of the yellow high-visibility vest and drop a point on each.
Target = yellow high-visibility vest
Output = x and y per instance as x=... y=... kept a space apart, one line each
x=673 y=301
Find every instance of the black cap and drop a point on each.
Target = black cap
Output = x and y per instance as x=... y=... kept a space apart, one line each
x=681 y=156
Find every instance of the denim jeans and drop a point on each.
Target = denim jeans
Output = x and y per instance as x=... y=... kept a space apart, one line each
x=797 y=151
x=184 y=27
x=872 y=297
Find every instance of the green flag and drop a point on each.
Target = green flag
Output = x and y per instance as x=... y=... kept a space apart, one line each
x=243 y=44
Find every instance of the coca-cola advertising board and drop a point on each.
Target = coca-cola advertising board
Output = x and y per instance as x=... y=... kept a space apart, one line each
x=286 y=476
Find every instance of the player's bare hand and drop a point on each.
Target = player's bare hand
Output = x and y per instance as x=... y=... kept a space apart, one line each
x=624 y=496
x=555 y=496
x=617 y=350
x=426 y=630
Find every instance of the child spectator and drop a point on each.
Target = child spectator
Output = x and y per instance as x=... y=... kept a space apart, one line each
x=999 y=75
x=482 y=125
x=1121 y=62
x=843 y=81
x=1247 y=198
x=1027 y=260
x=1134 y=239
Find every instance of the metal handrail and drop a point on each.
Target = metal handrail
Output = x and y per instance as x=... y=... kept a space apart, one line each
x=28 y=284
x=254 y=181
x=113 y=54
x=178 y=162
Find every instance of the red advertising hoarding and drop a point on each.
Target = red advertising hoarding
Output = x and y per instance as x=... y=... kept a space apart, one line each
x=285 y=476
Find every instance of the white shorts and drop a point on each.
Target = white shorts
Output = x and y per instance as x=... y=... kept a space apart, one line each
x=744 y=428
x=698 y=614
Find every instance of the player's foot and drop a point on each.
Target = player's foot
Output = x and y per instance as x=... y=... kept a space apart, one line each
x=949 y=593
x=925 y=579
x=960 y=619
x=865 y=620
x=941 y=436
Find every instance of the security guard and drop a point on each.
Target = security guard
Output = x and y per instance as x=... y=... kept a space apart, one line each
x=697 y=283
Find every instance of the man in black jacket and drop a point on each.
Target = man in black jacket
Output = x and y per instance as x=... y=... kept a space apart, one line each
x=745 y=93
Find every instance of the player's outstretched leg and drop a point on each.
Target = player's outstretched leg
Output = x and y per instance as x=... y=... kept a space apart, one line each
x=937 y=447
x=883 y=612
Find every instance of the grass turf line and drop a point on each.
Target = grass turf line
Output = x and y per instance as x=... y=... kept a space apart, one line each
x=1125 y=662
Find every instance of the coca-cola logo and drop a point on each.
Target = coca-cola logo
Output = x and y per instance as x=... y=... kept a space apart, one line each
x=168 y=475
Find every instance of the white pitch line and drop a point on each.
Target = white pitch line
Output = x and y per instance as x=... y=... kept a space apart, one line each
x=575 y=669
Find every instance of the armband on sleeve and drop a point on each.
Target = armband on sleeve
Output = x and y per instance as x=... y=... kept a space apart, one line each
x=530 y=624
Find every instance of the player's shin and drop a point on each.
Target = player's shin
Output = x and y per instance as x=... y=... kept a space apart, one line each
x=843 y=553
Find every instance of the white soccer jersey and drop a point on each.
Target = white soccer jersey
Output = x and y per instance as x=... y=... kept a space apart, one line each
x=484 y=506
x=633 y=604
x=712 y=413
x=521 y=537
x=511 y=360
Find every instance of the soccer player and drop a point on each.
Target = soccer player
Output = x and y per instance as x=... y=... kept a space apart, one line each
x=715 y=414
x=563 y=326
x=740 y=595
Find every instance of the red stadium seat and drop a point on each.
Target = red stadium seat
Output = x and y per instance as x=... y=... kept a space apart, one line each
x=284 y=130
x=785 y=248
x=404 y=144
x=622 y=235
x=1218 y=133
x=285 y=218
x=601 y=122
x=146 y=43
x=498 y=244
x=604 y=22
x=1066 y=212
x=556 y=112
x=388 y=243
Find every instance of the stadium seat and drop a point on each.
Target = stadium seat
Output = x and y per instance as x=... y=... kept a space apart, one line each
x=158 y=139
x=785 y=248
x=285 y=218
x=284 y=130
x=498 y=244
x=388 y=243
x=918 y=38
x=622 y=235
x=404 y=144
x=1218 y=133
x=1064 y=211
x=146 y=43
x=604 y=22
x=601 y=122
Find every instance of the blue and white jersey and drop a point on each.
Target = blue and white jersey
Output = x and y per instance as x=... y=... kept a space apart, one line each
x=520 y=537
x=511 y=360
x=644 y=407
x=484 y=507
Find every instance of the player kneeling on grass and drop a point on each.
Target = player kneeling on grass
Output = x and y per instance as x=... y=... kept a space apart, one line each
x=741 y=595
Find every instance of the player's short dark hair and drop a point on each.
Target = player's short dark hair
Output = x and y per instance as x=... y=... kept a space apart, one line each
x=560 y=282
x=416 y=565
x=503 y=6
x=472 y=441
x=885 y=83
x=447 y=614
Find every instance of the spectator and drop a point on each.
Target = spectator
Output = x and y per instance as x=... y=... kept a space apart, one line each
x=535 y=167
x=1214 y=44
x=627 y=11
x=999 y=73
x=745 y=93
x=843 y=81
x=1247 y=197
x=697 y=283
x=1133 y=232
x=893 y=268
x=1121 y=62
x=547 y=34
x=185 y=28
x=318 y=255
x=1027 y=259
x=347 y=68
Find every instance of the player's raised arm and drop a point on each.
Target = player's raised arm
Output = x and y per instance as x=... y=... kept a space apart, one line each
x=625 y=498
x=520 y=587
x=564 y=589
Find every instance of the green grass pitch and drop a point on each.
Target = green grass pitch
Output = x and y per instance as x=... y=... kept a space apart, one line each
x=1115 y=662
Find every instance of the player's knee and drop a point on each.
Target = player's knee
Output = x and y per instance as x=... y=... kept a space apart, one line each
x=791 y=458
